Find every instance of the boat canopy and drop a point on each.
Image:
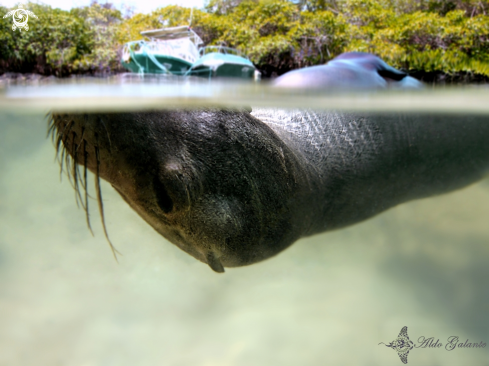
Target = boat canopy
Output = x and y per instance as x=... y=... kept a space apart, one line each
x=183 y=31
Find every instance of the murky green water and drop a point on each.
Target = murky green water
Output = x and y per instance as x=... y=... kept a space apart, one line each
x=328 y=299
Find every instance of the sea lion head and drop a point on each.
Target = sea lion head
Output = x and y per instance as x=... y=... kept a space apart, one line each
x=219 y=184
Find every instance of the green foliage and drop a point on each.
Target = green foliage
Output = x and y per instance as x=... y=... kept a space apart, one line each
x=277 y=36
x=439 y=36
x=104 y=21
x=422 y=41
x=221 y=6
x=7 y=40
x=54 y=41
x=62 y=42
x=170 y=16
x=261 y=29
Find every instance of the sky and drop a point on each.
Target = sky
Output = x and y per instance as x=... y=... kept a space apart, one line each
x=139 y=6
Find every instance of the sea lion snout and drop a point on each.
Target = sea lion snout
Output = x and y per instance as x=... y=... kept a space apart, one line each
x=218 y=184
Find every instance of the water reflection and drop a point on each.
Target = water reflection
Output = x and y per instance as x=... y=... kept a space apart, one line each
x=135 y=93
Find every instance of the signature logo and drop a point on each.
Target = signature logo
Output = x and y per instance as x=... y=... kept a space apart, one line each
x=402 y=345
x=20 y=17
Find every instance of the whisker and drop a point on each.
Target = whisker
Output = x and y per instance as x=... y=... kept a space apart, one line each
x=71 y=124
x=51 y=126
x=80 y=176
x=74 y=171
x=81 y=138
x=108 y=135
x=100 y=204
x=64 y=158
x=58 y=142
x=85 y=158
x=69 y=161
x=82 y=142
x=63 y=151
x=64 y=155
x=57 y=146
x=68 y=168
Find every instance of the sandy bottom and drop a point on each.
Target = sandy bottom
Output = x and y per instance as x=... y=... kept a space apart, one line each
x=329 y=299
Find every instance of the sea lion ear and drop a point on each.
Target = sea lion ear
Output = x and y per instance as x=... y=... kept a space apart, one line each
x=214 y=262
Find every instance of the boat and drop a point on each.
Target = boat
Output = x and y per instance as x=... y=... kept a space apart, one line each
x=220 y=61
x=167 y=51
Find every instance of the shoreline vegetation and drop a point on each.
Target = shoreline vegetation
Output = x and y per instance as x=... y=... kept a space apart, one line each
x=437 y=41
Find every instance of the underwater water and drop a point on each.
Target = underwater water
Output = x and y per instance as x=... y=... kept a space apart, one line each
x=328 y=299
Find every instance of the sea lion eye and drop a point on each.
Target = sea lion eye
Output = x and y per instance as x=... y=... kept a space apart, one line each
x=162 y=198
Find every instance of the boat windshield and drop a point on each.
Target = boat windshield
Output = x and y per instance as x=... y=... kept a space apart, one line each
x=220 y=49
x=182 y=48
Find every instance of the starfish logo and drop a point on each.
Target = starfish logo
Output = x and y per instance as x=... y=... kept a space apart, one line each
x=20 y=17
x=402 y=345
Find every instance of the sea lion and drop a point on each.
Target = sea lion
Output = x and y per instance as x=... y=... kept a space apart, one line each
x=232 y=188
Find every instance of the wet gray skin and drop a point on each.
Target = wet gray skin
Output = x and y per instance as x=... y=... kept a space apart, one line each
x=232 y=188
